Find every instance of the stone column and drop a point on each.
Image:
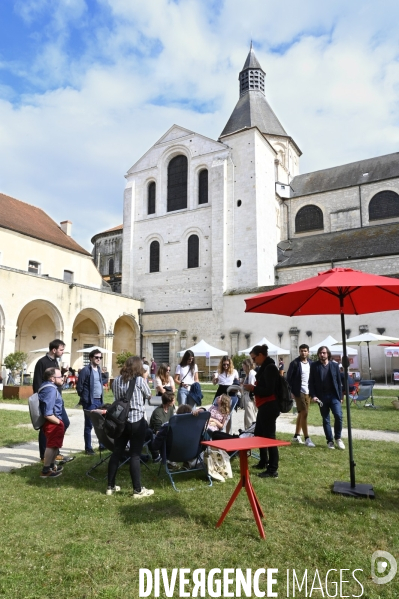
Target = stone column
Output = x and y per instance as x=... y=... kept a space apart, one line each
x=234 y=338
x=294 y=339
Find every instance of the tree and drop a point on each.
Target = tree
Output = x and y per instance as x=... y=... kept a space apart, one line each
x=237 y=361
x=121 y=358
x=15 y=362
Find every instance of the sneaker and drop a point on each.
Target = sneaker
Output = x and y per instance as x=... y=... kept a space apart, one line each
x=330 y=445
x=157 y=459
x=297 y=439
x=58 y=468
x=339 y=443
x=309 y=442
x=172 y=464
x=260 y=466
x=90 y=452
x=50 y=474
x=267 y=474
x=143 y=493
x=112 y=490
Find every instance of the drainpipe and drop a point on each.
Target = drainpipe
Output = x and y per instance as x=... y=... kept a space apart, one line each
x=360 y=205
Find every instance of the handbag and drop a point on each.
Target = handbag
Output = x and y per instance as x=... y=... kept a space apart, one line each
x=218 y=464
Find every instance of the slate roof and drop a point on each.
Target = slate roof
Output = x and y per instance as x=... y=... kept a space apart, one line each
x=113 y=230
x=34 y=222
x=347 y=175
x=365 y=242
x=253 y=110
x=252 y=62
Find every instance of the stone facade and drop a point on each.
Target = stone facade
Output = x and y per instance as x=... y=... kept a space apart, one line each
x=107 y=256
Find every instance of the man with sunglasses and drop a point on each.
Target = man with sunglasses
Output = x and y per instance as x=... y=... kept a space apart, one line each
x=90 y=391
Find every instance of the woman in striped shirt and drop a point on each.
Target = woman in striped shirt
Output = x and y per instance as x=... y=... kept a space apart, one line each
x=136 y=426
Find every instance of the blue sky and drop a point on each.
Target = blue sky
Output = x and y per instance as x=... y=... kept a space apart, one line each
x=87 y=86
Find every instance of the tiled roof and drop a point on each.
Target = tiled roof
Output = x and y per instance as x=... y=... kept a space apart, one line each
x=365 y=242
x=113 y=230
x=34 y=222
x=347 y=175
x=253 y=110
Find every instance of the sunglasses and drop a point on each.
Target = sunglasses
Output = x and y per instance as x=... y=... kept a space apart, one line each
x=98 y=357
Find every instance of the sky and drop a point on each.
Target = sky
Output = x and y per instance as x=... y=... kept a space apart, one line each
x=88 y=86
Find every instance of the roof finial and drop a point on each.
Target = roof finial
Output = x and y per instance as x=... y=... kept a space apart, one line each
x=250 y=46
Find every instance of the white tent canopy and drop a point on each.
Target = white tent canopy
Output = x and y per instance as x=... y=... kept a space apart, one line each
x=334 y=347
x=202 y=348
x=273 y=350
x=87 y=350
x=371 y=339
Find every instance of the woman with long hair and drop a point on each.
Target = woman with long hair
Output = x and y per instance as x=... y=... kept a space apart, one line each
x=186 y=375
x=163 y=381
x=267 y=379
x=248 y=397
x=225 y=375
x=136 y=426
x=220 y=413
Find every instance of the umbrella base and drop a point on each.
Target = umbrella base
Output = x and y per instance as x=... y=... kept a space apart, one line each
x=344 y=488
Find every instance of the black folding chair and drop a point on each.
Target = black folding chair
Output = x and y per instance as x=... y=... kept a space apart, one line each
x=183 y=444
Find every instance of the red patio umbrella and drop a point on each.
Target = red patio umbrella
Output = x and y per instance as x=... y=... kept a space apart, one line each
x=335 y=291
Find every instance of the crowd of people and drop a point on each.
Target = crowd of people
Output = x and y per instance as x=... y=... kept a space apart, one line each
x=316 y=381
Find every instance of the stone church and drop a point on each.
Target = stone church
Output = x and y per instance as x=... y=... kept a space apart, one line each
x=210 y=222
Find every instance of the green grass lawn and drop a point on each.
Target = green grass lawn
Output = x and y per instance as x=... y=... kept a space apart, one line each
x=15 y=428
x=65 y=539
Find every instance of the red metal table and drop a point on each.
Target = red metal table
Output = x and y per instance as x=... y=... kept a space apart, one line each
x=243 y=445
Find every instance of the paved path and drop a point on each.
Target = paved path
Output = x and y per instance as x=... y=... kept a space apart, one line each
x=28 y=453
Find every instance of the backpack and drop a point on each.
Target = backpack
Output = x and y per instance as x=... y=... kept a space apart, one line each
x=117 y=415
x=35 y=413
x=283 y=394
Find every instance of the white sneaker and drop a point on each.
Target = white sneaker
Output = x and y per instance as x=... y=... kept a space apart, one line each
x=330 y=445
x=143 y=493
x=111 y=490
x=297 y=440
x=309 y=442
x=340 y=444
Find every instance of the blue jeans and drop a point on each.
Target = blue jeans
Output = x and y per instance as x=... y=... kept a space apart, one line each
x=182 y=395
x=331 y=403
x=42 y=437
x=97 y=403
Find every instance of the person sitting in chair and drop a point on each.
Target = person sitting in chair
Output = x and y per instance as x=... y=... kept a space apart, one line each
x=220 y=414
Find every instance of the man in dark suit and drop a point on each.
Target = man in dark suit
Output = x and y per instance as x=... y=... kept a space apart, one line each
x=325 y=386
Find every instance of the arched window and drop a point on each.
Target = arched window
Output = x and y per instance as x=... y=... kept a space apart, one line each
x=203 y=187
x=111 y=266
x=177 y=183
x=154 y=256
x=151 y=198
x=385 y=204
x=193 y=252
x=309 y=218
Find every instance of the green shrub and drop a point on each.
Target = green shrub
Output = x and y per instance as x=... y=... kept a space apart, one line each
x=121 y=358
x=15 y=362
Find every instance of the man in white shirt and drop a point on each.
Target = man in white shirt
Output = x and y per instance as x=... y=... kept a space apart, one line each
x=298 y=379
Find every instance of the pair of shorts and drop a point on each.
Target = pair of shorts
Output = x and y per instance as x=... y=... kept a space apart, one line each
x=54 y=434
x=303 y=402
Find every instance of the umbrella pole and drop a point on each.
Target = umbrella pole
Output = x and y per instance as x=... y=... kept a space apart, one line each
x=368 y=352
x=343 y=488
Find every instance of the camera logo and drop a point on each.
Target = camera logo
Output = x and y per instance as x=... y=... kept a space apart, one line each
x=383 y=563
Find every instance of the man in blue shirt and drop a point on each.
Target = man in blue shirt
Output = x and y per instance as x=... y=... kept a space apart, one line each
x=54 y=429
x=90 y=391
x=325 y=385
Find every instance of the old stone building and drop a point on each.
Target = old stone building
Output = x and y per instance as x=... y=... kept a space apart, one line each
x=50 y=288
x=107 y=256
x=208 y=223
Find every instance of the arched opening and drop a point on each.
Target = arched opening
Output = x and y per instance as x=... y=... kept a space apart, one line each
x=203 y=187
x=309 y=218
x=88 y=330
x=111 y=266
x=151 y=198
x=193 y=251
x=154 y=256
x=385 y=204
x=177 y=183
x=125 y=339
x=39 y=322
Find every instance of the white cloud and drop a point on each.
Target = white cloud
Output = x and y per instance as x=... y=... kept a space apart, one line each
x=332 y=79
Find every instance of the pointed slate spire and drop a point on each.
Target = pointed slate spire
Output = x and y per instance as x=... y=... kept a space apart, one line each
x=252 y=109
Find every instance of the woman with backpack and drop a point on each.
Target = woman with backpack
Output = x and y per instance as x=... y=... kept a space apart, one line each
x=186 y=375
x=267 y=379
x=131 y=383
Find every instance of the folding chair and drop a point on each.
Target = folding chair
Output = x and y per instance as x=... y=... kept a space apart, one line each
x=104 y=441
x=369 y=383
x=363 y=394
x=183 y=443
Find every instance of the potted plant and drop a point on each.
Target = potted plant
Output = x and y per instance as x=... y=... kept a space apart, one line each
x=15 y=363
